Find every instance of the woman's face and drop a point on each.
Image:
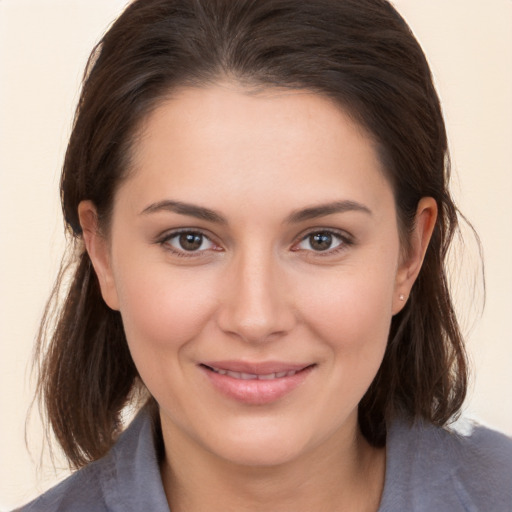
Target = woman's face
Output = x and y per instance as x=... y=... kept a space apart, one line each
x=254 y=257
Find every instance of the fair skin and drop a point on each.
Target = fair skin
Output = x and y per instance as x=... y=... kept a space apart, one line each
x=254 y=255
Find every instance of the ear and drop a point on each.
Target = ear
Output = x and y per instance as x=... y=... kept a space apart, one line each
x=97 y=247
x=410 y=266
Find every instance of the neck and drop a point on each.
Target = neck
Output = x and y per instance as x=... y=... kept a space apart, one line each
x=344 y=473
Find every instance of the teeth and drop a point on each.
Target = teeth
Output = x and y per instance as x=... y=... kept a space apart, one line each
x=269 y=376
x=253 y=376
x=248 y=376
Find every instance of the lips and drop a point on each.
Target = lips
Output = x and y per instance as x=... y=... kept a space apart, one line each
x=255 y=383
x=250 y=376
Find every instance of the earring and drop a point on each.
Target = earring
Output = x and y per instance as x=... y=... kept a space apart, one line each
x=401 y=296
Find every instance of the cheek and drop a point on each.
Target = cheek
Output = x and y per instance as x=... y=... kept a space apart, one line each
x=163 y=313
x=349 y=314
x=351 y=309
x=352 y=312
x=162 y=310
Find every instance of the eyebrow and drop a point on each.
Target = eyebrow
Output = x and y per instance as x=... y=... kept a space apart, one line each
x=327 y=209
x=202 y=213
x=199 y=212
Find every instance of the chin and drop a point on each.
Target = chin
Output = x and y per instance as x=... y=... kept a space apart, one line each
x=268 y=453
x=263 y=442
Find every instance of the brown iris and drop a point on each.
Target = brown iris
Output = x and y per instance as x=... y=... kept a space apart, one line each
x=320 y=241
x=190 y=241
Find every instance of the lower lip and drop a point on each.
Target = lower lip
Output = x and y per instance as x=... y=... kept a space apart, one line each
x=255 y=391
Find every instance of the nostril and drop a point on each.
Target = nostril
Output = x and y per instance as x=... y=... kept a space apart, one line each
x=253 y=304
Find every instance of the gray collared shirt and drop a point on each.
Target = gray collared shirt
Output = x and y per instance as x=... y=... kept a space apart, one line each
x=428 y=469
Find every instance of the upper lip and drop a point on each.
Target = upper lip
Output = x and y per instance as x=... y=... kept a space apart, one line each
x=256 y=368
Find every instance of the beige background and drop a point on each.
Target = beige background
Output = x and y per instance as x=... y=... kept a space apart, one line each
x=43 y=48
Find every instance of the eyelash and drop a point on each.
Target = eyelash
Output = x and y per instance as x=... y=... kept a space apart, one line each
x=164 y=241
x=345 y=241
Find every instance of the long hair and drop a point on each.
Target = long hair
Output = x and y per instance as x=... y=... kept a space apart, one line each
x=359 y=53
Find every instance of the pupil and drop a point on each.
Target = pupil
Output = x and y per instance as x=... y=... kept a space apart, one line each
x=191 y=241
x=321 y=241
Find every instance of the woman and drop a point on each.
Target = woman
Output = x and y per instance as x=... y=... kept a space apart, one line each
x=258 y=192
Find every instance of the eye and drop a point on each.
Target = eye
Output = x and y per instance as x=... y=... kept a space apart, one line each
x=322 y=241
x=188 y=242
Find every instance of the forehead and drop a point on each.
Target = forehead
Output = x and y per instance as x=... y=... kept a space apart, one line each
x=204 y=143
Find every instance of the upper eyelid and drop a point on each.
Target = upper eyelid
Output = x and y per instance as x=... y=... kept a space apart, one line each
x=342 y=234
x=164 y=241
x=346 y=240
x=332 y=231
x=171 y=233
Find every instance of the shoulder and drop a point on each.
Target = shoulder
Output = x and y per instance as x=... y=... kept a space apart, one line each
x=81 y=492
x=482 y=462
x=126 y=479
x=466 y=469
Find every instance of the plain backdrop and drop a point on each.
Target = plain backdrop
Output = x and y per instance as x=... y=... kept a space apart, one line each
x=44 y=45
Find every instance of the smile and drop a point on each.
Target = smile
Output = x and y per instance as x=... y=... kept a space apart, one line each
x=251 y=376
x=255 y=384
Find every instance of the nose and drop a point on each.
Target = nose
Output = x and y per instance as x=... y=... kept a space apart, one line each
x=257 y=304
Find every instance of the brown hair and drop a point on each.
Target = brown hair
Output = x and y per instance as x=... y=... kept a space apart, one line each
x=360 y=53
